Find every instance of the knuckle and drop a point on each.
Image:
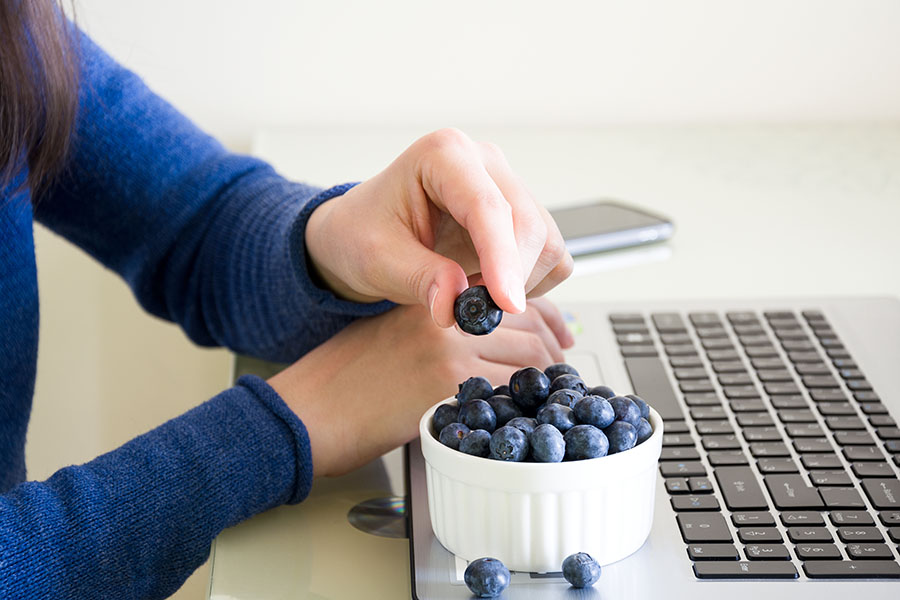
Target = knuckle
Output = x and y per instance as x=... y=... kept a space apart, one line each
x=493 y=151
x=532 y=230
x=555 y=251
x=447 y=139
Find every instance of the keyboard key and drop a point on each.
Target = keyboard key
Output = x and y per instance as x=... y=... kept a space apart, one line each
x=859 y=534
x=798 y=430
x=691 y=373
x=722 y=355
x=761 y=351
x=850 y=373
x=703 y=527
x=728 y=366
x=821 y=461
x=830 y=478
x=840 y=352
x=836 y=409
x=752 y=519
x=806 y=445
x=894 y=534
x=726 y=458
x=866 y=396
x=623 y=317
x=798 y=357
x=758 y=534
x=845 y=423
x=889 y=517
x=846 y=497
x=863 y=453
x=762 y=434
x=774 y=375
x=677 y=485
x=807 y=518
x=840 y=569
x=700 y=485
x=740 y=489
x=685 y=361
x=853 y=438
x=882 y=421
x=797 y=416
x=708 y=413
x=712 y=552
x=766 y=449
x=677 y=427
x=807 y=551
x=702 y=399
x=884 y=494
x=869 y=551
x=740 y=406
x=680 y=350
x=763 y=569
x=682 y=469
x=668 y=323
x=820 y=381
x=819 y=368
x=808 y=534
x=827 y=395
x=634 y=339
x=698 y=385
x=776 y=465
x=721 y=442
x=791 y=492
x=859 y=384
x=754 y=420
x=650 y=380
x=716 y=343
x=681 y=453
x=735 y=379
x=632 y=351
x=789 y=402
x=711 y=332
x=675 y=338
x=714 y=427
x=743 y=317
x=701 y=319
x=676 y=439
x=851 y=517
x=767 y=363
x=797 y=345
x=767 y=552
x=776 y=389
x=738 y=392
x=755 y=339
x=888 y=433
x=621 y=328
x=691 y=503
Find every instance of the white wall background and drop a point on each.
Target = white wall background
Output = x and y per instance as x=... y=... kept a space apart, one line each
x=236 y=66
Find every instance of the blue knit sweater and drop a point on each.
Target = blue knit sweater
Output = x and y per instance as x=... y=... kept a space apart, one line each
x=205 y=238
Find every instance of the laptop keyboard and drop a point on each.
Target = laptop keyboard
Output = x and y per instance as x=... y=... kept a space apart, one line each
x=778 y=456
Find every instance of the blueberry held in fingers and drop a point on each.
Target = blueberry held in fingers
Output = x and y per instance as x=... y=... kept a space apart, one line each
x=476 y=312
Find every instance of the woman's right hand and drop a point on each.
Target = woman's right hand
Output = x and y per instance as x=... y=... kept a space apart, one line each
x=362 y=393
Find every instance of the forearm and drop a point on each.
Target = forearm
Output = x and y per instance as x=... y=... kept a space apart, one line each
x=135 y=522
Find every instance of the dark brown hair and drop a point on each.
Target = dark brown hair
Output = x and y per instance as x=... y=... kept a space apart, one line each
x=38 y=89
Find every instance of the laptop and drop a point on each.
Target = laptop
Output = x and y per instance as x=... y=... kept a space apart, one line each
x=780 y=468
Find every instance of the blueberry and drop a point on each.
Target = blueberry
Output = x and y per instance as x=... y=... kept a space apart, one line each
x=565 y=397
x=529 y=388
x=602 y=391
x=476 y=443
x=621 y=435
x=554 y=371
x=474 y=388
x=476 y=312
x=645 y=408
x=644 y=431
x=547 y=444
x=526 y=425
x=451 y=435
x=502 y=390
x=486 y=577
x=509 y=443
x=581 y=570
x=596 y=411
x=585 y=441
x=626 y=410
x=558 y=415
x=478 y=414
x=504 y=408
x=444 y=415
x=567 y=381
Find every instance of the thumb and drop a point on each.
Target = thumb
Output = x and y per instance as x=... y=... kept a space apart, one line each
x=417 y=274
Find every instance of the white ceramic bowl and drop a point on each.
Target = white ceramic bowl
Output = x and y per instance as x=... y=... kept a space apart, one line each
x=533 y=515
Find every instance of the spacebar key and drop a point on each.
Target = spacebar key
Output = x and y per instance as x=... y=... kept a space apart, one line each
x=763 y=569
x=651 y=382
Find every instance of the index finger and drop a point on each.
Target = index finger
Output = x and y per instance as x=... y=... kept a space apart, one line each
x=456 y=181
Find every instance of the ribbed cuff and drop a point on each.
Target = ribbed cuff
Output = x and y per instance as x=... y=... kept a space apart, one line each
x=303 y=466
x=326 y=299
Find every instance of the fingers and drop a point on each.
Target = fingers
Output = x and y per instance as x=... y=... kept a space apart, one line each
x=455 y=179
x=532 y=320
x=554 y=321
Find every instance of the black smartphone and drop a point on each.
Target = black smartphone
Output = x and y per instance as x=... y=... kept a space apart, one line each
x=605 y=224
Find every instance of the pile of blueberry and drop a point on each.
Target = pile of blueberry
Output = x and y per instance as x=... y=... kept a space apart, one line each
x=541 y=416
x=488 y=577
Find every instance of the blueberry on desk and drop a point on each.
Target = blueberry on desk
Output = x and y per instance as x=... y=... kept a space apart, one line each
x=476 y=312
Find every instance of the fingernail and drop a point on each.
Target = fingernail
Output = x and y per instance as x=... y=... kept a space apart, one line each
x=432 y=296
x=516 y=295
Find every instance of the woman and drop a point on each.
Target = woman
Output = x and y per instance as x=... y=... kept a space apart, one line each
x=239 y=257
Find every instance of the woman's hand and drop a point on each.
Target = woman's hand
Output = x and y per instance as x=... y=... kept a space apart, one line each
x=445 y=209
x=362 y=392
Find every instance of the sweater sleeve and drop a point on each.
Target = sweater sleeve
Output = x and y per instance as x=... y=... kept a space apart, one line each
x=134 y=523
x=204 y=237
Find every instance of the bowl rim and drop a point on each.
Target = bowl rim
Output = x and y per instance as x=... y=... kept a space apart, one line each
x=634 y=455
